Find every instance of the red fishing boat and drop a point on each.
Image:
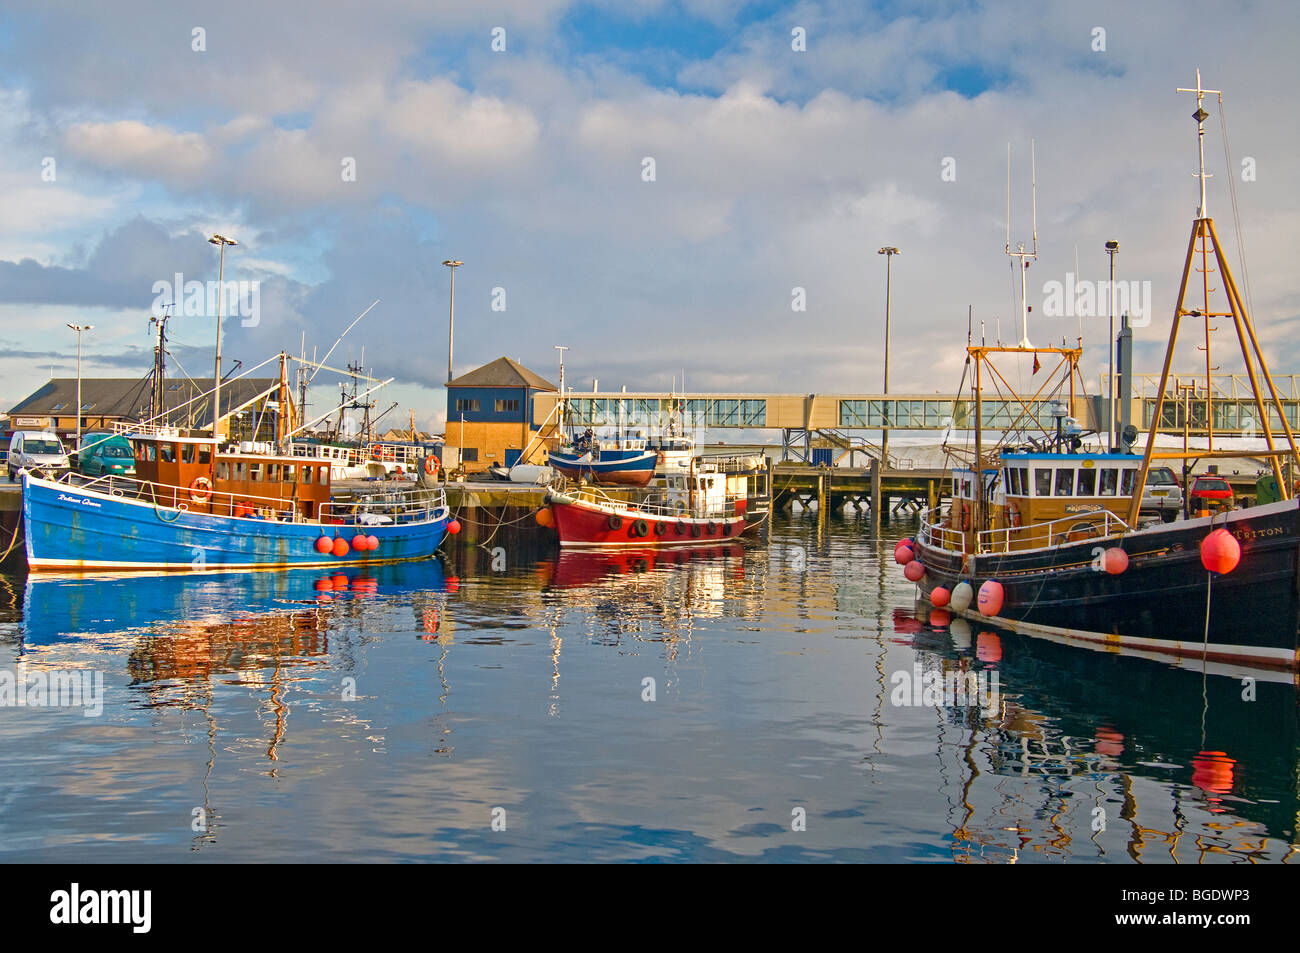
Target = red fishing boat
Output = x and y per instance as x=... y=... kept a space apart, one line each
x=709 y=503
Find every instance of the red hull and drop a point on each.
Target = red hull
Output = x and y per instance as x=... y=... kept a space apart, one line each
x=580 y=525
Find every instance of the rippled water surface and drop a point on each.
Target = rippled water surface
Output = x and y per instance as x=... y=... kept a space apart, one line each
x=751 y=702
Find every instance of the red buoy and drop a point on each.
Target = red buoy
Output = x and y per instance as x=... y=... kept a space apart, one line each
x=940 y=597
x=904 y=555
x=324 y=544
x=544 y=517
x=453 y=527
x=340 y=546
x=990 y=597
x=1220 y=551
x=1114 y=560
x=914 y=571
x=359 y=543
x=905 y=541
x=372 y=543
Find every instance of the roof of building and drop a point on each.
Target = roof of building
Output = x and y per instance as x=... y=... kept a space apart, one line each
x=503 y=372
x=128 y=398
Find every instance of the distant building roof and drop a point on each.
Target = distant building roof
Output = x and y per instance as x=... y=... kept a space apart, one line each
x=503 y=372
x=127 y=398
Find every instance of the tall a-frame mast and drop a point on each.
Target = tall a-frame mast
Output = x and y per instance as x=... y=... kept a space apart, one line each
x=1205 y=243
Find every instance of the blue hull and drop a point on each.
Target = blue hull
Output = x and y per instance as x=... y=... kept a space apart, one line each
x=73 y=529
x=632 y=467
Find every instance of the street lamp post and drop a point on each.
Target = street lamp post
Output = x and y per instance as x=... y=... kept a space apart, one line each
x=453 y=264
x=79 y=328
x=1112 y=249
x=222 y=242
x=889 y=251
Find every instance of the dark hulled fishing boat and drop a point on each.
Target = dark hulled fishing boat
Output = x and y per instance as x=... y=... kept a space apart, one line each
x=1049 y=539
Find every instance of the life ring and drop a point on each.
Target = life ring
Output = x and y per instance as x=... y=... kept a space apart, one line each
x=201 y=490
x=641 y=528
x=431 y=465
x=615 y=521
x=1013 y=514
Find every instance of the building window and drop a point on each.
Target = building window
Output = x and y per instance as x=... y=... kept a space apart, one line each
x=469 y=455
x=501 y=406
x=466 y=405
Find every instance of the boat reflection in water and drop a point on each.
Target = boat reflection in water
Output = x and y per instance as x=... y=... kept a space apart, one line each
x=184 y=636
x=1080 y=728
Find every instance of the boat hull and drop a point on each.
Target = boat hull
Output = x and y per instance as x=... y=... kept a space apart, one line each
x=626 y=469
x=72 y=529
x=581 y=524
x=1165 y=601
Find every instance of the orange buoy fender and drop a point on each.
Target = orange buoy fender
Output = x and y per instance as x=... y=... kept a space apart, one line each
x=990 y=597
x=1220 y=551
x=940 y=597
x=904 y=555
x=1114 y=560
x=914 y=571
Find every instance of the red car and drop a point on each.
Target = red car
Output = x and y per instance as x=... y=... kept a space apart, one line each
x=1212 y=493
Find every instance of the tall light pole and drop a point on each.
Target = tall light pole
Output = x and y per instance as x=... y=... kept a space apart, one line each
x=889 y=251
x=79 y=328
x=453 y=264
x=221 y=241
x=1112 y=249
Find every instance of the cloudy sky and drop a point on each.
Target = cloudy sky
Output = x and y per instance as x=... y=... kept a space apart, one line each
x=645 y=181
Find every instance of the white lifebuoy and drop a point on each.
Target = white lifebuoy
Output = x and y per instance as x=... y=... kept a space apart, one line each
x=201 y=490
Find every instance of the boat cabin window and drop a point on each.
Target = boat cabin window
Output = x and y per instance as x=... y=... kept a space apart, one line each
x=1128 y=479
x=289 y=473
x=205 y=453
x=322 y=475
x=255 y=472
x=1087 y=483
x=239 y=470
x=1042 y=481
x=1109 y=481
x=1065 y=481
x=273 y=472
x=187 y=453
x=150 y=451
x=223 y=470
x=306 y=474
x=167 y=453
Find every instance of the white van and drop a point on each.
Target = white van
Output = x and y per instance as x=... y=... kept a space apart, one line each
x=38 y=451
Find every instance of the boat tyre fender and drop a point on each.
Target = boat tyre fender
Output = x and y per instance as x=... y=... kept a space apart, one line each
x=641 y=528
x=726 y=529
x=712 y=528
x=681 y=528
x=661 y=528
x=615 y=522
x=695 y=529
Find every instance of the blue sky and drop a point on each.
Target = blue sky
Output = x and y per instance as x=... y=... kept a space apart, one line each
x=775 y=169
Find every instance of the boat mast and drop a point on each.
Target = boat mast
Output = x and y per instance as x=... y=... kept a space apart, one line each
x=1203 y=231
x=1020 y=253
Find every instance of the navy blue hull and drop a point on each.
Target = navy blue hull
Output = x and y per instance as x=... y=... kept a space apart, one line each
x=1160 y=602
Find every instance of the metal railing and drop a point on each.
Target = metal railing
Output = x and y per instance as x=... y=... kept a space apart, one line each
x=1098 y=525
x=386 y=509
x=394 y=507
x=656 y=504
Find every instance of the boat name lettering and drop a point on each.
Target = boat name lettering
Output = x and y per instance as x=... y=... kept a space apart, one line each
x=77 y=499
x=1245 y=533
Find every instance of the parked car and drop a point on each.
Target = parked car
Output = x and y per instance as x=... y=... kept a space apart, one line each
x=1163 y=494
x=39 y=451
x=1211 y=492
x=104 y=453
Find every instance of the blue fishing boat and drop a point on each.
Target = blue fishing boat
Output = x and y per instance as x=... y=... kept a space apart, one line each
x=195 y=505
x=621 y=464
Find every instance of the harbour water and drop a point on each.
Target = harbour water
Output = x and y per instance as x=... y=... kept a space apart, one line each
x=772 y=701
